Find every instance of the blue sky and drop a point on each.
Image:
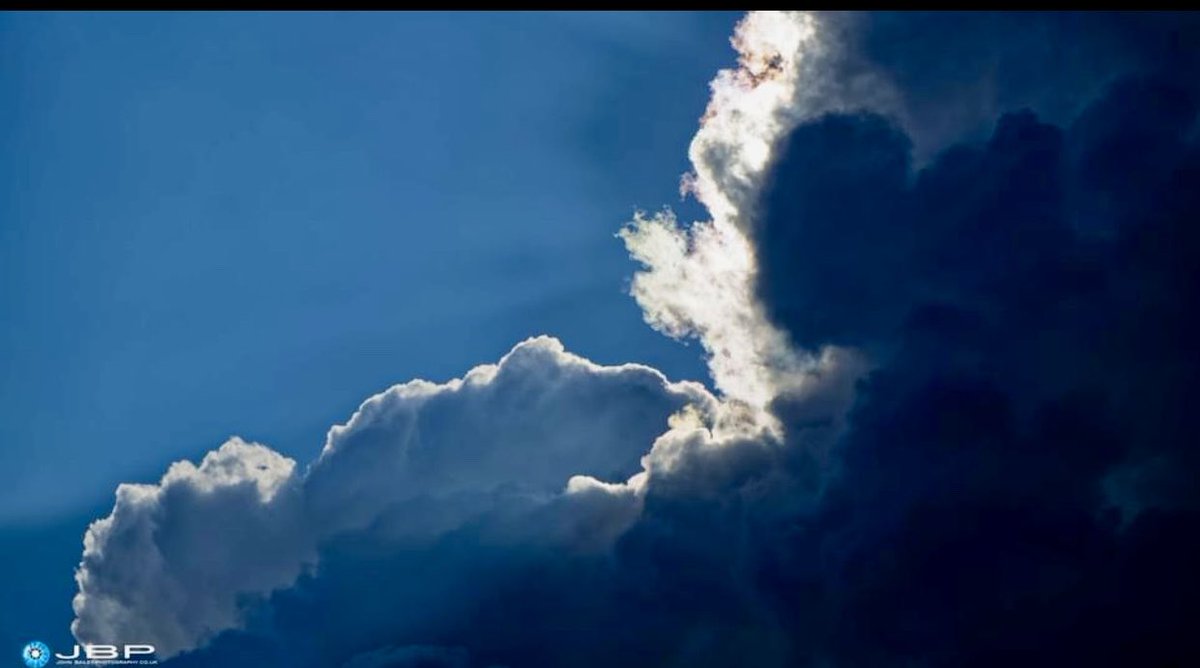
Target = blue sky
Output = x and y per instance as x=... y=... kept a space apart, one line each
x=216 y=224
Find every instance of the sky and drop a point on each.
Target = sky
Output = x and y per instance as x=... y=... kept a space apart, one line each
x=219 y=224
x=242 y=223
x=376 y=340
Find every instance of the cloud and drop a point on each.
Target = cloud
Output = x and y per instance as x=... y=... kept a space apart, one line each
x=522 y=427
x=1021 y=298
x=946 y=292
x=698 y=280
x=954 y=73
x=171 y=562
x=176 y=563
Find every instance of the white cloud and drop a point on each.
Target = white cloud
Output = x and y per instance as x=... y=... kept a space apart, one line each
x=699 y=281
x=524 y=426
x=526 y=441
x=171 y=561
x=791 y=67
x=750 y=108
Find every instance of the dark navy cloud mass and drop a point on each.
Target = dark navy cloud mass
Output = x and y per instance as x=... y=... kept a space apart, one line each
x=979 y=449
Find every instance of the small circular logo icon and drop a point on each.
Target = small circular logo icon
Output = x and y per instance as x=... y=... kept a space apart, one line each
x=36 y=654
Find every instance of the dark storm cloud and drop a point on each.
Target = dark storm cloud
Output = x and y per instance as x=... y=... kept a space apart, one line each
x=1014 y=485
x=956 y=72
x=1019 y=481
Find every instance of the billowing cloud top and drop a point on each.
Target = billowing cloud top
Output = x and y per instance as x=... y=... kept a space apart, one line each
x=946 y=293
x=172 y=559
x=412 y=463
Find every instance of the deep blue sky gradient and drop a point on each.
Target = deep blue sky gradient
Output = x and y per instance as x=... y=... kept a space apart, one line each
x=217 y=224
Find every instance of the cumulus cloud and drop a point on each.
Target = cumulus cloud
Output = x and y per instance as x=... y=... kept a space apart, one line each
x=953 y=344
x=175 y=562
x=172 y=561
x=522 y=427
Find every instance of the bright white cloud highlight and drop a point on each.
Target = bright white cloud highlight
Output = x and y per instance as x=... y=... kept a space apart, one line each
x=699 y=281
